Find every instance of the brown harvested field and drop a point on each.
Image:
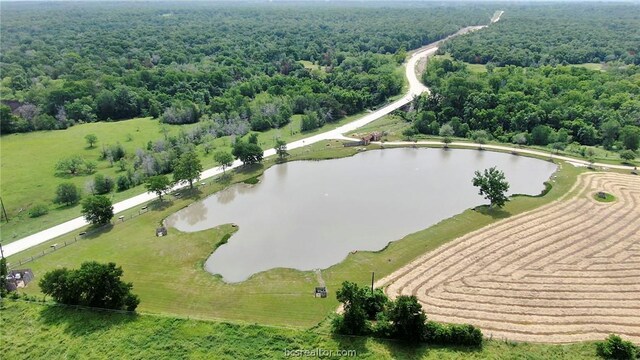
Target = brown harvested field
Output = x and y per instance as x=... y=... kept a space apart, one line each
x=568 y=271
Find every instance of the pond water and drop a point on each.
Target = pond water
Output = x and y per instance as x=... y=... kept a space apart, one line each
x=310 y=215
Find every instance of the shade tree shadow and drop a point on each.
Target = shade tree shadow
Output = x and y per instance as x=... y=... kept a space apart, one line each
x=495 y=213
x=191 y=194
x=157 y=205
x=225 y=178
x=249 y=168
x=95 y=231
x=405 y=350
x=351 y=343
x=84 y=321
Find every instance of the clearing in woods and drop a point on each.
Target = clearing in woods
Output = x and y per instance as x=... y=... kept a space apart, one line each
x=567 y=271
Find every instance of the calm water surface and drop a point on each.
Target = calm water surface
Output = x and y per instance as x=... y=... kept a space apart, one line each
x=310 y=214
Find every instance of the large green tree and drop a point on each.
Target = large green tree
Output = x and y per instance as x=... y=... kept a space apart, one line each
x=188 y=168
x=492 y=185
x=247 y=152
x=281 y=149
x=354 y=319
x=224 y=159
x=158 y=184
x=93 y=284
x=97 y=209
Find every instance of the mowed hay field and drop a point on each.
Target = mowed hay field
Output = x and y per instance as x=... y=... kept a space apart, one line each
x=568 y=271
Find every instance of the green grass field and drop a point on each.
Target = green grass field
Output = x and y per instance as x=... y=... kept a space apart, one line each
x=167 y=272
x=35 y=331
x=27 y=175
x=482 y=68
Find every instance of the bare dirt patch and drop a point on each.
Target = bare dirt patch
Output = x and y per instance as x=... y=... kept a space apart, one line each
x=568 y=271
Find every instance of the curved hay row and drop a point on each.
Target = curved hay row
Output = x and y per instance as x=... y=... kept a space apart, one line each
x=567 y=271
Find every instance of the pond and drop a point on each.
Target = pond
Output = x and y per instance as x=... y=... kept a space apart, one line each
x=310 y=215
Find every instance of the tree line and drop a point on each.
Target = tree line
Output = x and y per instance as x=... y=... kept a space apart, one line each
x=547 y=106
x=371 y=312
x=557 y=34
x=69 y=63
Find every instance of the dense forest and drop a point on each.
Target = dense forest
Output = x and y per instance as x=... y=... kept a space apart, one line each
x=548 y=105
x=239 y=65
x=555 y=34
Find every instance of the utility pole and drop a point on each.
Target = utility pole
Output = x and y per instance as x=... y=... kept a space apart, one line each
x=4 y=211
x=372 y=277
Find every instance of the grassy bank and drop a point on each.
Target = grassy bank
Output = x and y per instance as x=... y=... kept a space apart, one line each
x=167 y=272
x=34 y=331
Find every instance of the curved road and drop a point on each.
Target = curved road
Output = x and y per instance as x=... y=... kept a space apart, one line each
x=415 y=88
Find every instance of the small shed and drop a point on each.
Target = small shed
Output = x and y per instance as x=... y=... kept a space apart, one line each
x=321 y=291
x=17 y=279
x=161 y=231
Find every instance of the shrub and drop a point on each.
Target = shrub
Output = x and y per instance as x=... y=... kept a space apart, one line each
x=123 y=182
x=90 y=167
x=616 y=348
x=67 y=193
x=383 y=327
x=409 y=132
x=627 y=155
x=436 y=333
x=465 y=334
x=452 y=334
x=38 y=210
x=407 y=317
x=102 y=184
x=117 y=152
x=375 y=303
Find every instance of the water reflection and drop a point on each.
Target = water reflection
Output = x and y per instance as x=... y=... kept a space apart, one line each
x=195 y=213
x=227 y=195
x=312 y=214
